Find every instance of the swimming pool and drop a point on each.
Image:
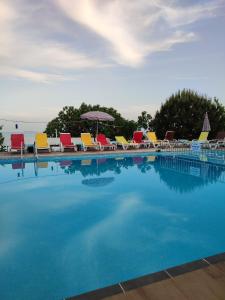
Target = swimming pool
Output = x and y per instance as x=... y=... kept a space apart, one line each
x=73 y=225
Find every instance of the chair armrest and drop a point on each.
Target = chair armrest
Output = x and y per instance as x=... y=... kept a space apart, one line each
x=213 y=141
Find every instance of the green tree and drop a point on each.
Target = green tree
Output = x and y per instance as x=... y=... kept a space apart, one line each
x=144 y=120
x=68 y=120
x=184 y=113
x=1 y=140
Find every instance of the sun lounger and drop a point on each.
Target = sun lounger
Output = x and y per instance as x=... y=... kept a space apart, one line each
x=138 y=138
x=202 y=140
x=103 y=143
x=41 y=142
x=219 y=141
x=151 y=135
x=66 y=142
x=17 y=142
x=121 y=141
x=88 y=143
x=169 y=136
x=203 y=137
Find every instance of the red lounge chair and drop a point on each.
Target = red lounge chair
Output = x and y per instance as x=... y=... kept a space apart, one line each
x=138 y=138
x=66 y=142
x=169 y=136
x=17 y=142
x=219 y=141
x=101 y=139
x=169 y=139
x=220 y=135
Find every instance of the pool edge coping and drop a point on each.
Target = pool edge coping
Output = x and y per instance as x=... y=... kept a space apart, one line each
x=138 y=282
x=109 y=154
x=80 y=156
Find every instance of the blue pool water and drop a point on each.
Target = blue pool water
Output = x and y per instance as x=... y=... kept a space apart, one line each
x=70 y=226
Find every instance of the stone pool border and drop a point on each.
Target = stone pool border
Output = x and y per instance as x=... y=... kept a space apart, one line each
x=138 y=282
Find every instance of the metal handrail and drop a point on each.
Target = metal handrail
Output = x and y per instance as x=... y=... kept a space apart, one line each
x=21 y=151
x=35 y=151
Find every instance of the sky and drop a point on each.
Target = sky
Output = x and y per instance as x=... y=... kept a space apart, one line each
x=127 y=54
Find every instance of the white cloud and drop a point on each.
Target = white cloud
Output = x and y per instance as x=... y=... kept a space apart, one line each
x=177 y=16
x=135 y=29
x=30 y=75
x=24 y=55
x=45 y=41
x=7 y=15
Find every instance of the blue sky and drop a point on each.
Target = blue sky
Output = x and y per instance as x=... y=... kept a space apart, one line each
x=123 y=53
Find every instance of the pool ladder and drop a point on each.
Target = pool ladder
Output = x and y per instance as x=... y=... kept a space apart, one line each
x=21 y=151
x=35 y=152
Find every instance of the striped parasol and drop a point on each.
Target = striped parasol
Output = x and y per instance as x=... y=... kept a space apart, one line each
x=97 y=116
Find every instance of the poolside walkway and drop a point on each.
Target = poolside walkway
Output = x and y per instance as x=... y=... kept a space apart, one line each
x=205 y=284
x=199 y=280
x=7 y=155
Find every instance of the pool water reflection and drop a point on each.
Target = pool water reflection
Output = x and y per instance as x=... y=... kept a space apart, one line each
x=69 y=226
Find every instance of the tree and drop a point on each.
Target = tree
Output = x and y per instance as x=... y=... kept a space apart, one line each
x=68 y=120
x=1 y=140
x=184 y=113
x=144 y=120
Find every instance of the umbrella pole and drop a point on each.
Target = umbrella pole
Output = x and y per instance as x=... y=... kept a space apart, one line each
x=97 y=129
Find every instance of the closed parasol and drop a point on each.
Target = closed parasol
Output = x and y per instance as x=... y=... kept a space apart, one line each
x=206 y=124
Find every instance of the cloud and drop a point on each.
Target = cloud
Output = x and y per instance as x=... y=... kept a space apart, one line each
x=135 y=29
x=54 y=40
x=180 y=16
x=7 y=15
x=26 y=55
x=30 y=75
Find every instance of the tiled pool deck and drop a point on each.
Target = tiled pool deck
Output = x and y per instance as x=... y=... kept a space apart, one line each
x=16 y=155
x=201 y=279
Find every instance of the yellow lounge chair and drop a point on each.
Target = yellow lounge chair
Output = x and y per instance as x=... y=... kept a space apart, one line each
x=87 y=142
x=151 y=135
x=41 y=142
x=121 y=141
x=153 y=138
x=203 y=137
x=202 y=140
